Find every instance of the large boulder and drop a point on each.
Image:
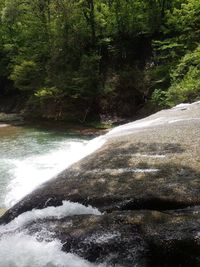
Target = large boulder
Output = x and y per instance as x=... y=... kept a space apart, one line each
x=153 y=164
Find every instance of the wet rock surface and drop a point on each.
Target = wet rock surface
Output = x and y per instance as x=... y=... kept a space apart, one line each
x=128 y=238
x=111 y=239
x=144 y=178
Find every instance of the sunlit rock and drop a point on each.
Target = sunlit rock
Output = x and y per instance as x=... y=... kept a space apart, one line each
x=144 y=179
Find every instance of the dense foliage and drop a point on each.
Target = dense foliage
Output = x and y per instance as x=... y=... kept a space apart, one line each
x=178 y=56
x=100 y=55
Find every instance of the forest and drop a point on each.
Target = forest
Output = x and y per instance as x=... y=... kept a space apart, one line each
x=78 y=60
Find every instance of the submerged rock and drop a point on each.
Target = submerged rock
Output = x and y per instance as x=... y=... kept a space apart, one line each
x=151 y=164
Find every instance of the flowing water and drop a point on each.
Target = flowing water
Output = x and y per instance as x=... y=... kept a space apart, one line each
x=29 y=157
x=18 y=249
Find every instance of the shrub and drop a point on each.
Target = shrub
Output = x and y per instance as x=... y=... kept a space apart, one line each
x=159 y=98
x=186 y=79
x=48 y=92
x=185 y=90
x=26 y=76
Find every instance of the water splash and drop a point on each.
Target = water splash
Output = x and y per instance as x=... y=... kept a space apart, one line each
x=66 y=209
x=30 y=172
x=21 y=250
x=18 y=249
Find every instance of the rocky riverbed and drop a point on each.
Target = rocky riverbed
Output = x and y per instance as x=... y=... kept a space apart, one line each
x=145 y=181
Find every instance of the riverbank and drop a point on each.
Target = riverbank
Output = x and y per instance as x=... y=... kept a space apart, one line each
x=71 y=113
x=90 y=128
x=83 y=129
x=11 y=118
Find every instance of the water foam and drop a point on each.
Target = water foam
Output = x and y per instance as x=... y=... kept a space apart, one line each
x=67 y=209
x=30 y=172
x=18 y=249
x=21 y=250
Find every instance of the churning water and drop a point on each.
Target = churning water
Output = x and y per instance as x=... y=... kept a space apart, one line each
x=29 y=157
x=18 y=249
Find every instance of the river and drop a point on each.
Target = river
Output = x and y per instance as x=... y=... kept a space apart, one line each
x=31 y=156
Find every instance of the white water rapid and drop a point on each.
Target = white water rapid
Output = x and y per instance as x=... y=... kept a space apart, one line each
x=18 y=249
x=26 y=173
x=29 y=158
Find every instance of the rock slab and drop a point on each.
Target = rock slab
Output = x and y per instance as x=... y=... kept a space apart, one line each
x=146 y=181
